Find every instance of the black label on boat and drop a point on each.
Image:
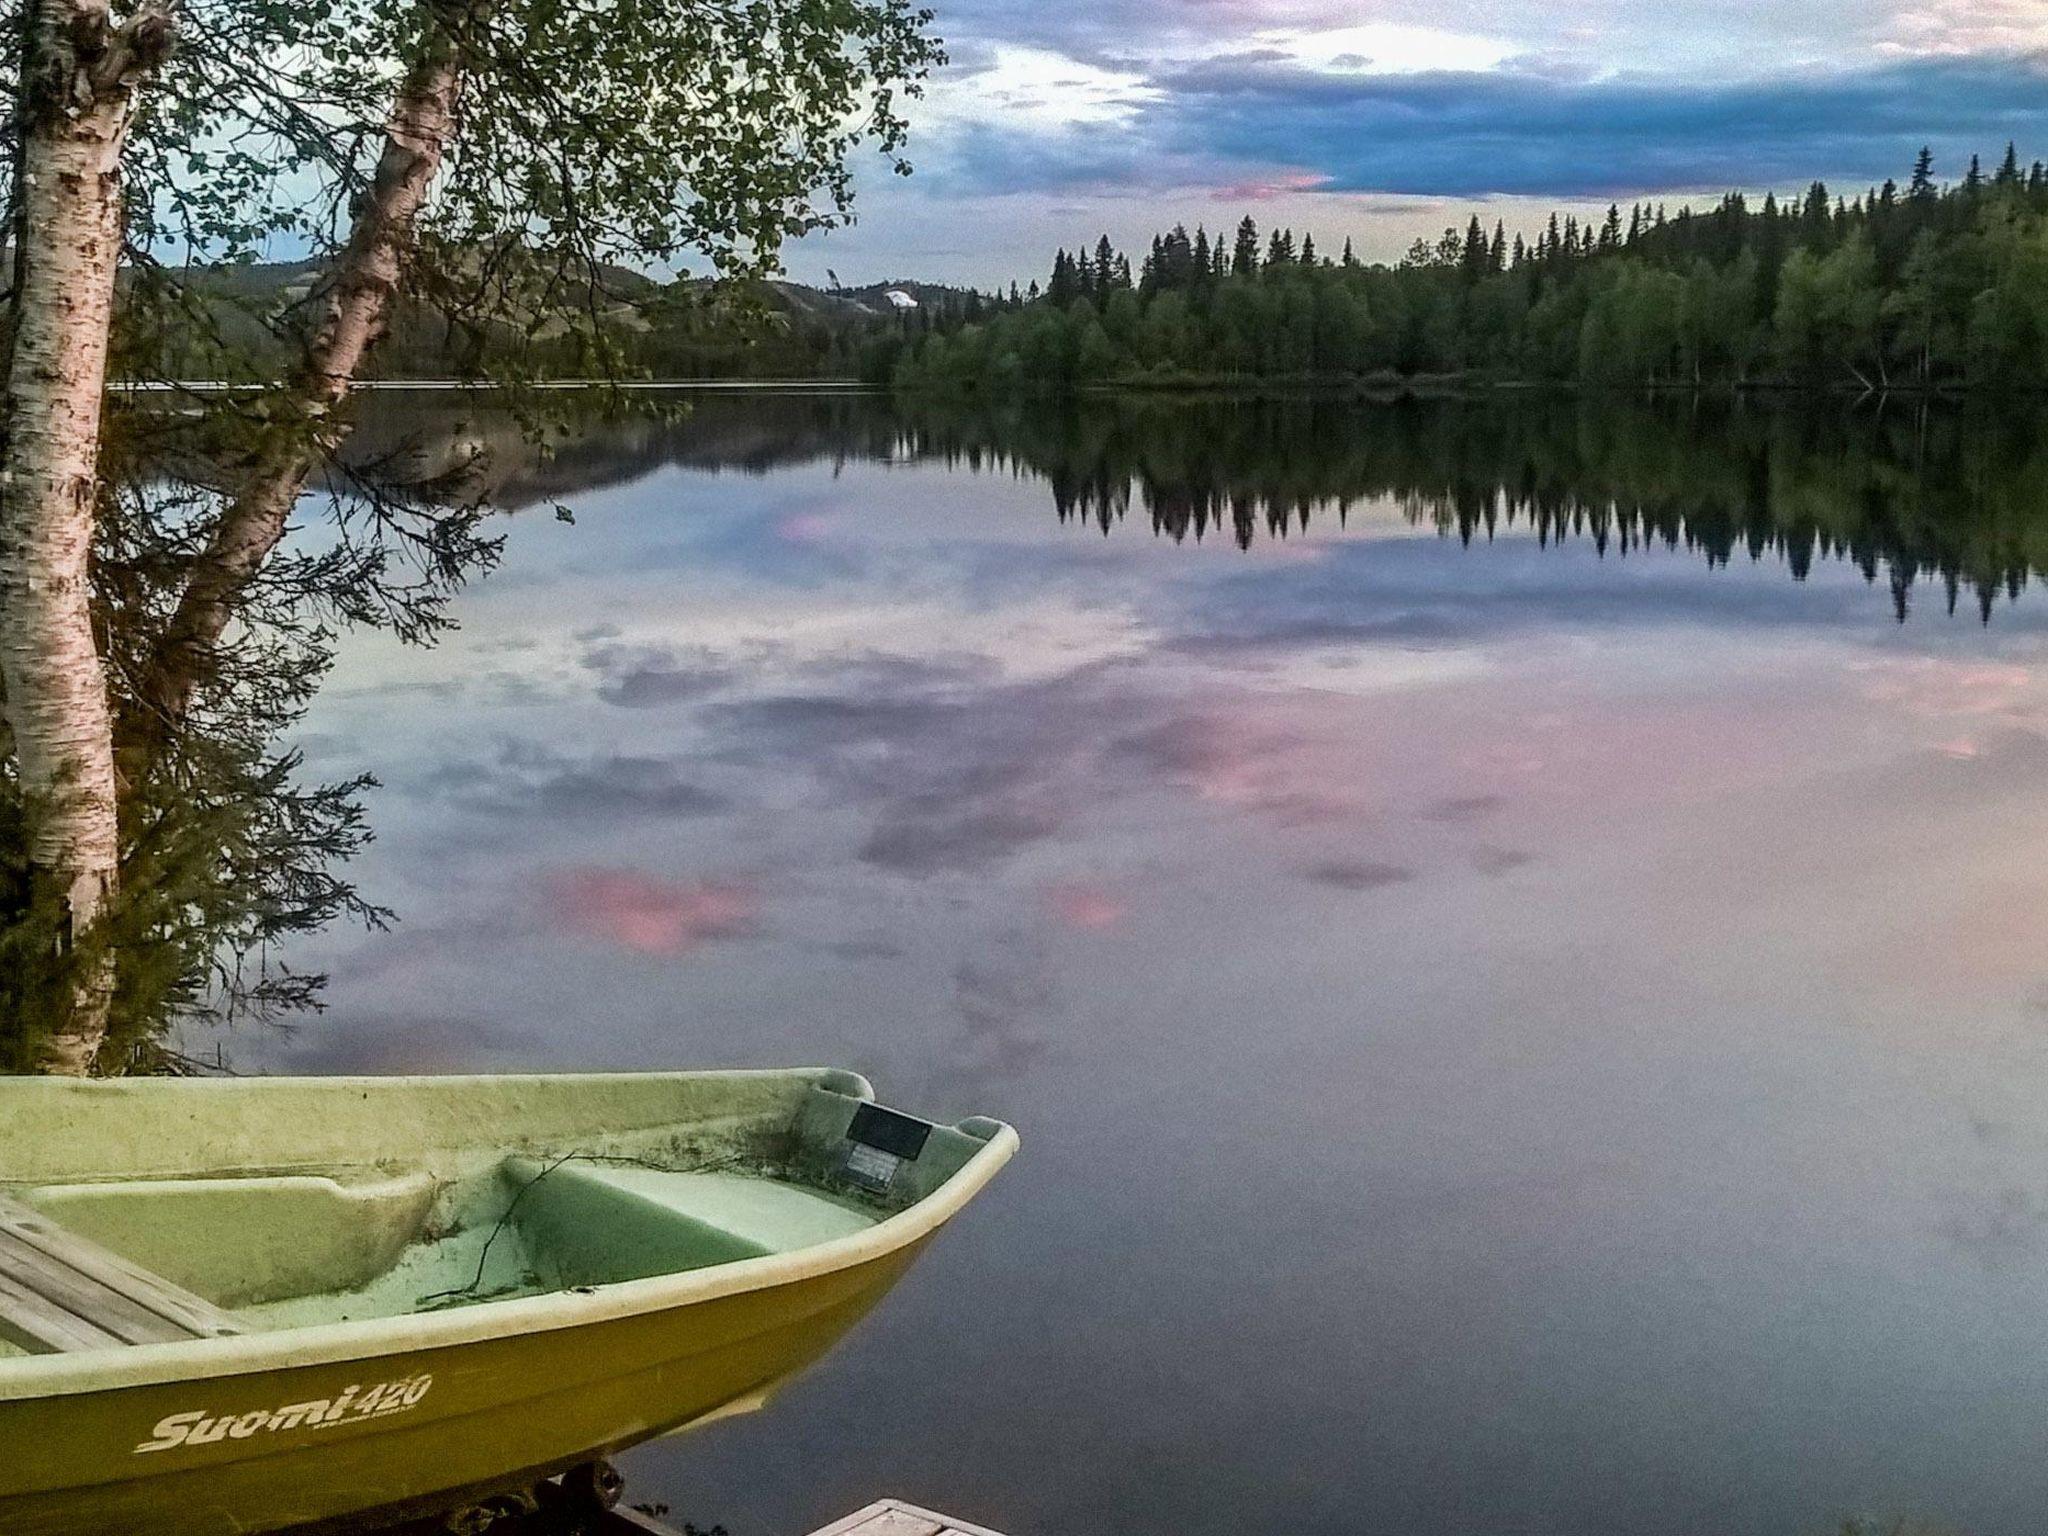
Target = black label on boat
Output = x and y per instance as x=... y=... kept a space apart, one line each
x=887 y=1131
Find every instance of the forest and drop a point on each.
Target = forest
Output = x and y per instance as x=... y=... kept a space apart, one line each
x=1926 y=286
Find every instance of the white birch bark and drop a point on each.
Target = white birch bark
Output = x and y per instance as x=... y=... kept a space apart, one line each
x=357 y=309
x=79 y=79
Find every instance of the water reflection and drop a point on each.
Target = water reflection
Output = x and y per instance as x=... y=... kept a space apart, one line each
x=1904 y=491
x=1543 y=1036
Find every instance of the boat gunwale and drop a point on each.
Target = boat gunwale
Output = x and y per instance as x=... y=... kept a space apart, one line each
x=33 y=1377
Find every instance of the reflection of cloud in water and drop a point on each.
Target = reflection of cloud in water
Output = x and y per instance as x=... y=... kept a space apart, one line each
x=1357 y=874
x=648 y=677
x=390 y=1043
x=1087 y=905
x=1006 y=999
x=1461 y=808
x=649 y=916
x=526 y=777
x=1998 y=1228
x=1490 y=859
x=973 y=769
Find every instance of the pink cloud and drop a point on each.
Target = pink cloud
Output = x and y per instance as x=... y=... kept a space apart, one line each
x=648 y=916
x=804 y=528
x=1934 y=688
x=1087 y=906
x=1264 y=189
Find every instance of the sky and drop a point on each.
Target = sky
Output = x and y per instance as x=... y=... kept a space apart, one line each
x=1381 y=122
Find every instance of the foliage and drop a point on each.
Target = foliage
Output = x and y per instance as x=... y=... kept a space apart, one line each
x=1930 y=288
x=592 y=138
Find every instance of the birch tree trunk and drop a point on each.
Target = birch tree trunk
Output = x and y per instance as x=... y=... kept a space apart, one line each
x=306 y=427
x=79 y=80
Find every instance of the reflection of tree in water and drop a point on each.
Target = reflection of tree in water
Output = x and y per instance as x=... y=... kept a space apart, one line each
x=1906 y=492
x=1956 y=496
x=227 y=851
x=224 y=848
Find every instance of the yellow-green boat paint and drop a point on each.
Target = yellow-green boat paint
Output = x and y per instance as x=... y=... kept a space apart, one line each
x=655 y=1250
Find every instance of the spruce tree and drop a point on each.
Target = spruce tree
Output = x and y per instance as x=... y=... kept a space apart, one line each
x=1921 y=187
x=1244 y=260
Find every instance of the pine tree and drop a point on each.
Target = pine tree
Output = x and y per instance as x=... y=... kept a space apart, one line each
x=1921 y=188
x=1065 y=286
x=1351 y=256
x=1244 y=260
x=1472 y=251
x=1308 y=250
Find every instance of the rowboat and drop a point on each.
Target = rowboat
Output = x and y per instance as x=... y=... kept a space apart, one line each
x=236 y=1305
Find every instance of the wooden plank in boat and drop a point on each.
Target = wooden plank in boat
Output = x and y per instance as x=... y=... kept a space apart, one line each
x=82 y=1296
x=30 y=1321
x=100 y=1287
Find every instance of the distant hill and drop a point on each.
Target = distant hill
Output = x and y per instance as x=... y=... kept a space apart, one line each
x=687 y=328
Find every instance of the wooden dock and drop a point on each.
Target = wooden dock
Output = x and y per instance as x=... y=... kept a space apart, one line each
x=893 y=1517
x=887 y=1517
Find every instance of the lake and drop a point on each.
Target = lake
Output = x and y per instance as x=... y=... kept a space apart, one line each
x=1515 y=933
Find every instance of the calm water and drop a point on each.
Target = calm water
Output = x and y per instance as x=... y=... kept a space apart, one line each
x=1524 y=981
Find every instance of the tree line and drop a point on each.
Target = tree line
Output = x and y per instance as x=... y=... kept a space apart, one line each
x=1923 y=286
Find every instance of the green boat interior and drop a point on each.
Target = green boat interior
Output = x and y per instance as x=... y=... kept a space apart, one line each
x=453 y=1212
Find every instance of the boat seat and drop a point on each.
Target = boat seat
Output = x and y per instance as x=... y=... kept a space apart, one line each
x=763 y=1214
x=590 y=1224
x=61 y=1292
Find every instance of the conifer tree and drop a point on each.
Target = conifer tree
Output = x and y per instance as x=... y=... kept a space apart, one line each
x=1244 y=259
x=1921 y=187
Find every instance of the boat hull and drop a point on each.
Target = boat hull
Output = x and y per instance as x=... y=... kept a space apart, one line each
x=411 y=1431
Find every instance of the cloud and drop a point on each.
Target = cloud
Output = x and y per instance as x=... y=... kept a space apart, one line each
x=1245 y=758
x=1969 y=26
x=1086 y=905
x=1356 y=874
x=526 y=777
x=382 y=1043
x=1490 y=859
x=1006 y=1001
x=649 y=916
x=1459 y=808
x=1259 y=123
x=1518 y=131
x=648 y=677
x=934 y=838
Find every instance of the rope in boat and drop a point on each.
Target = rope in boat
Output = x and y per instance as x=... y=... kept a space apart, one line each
x=483 y=1258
